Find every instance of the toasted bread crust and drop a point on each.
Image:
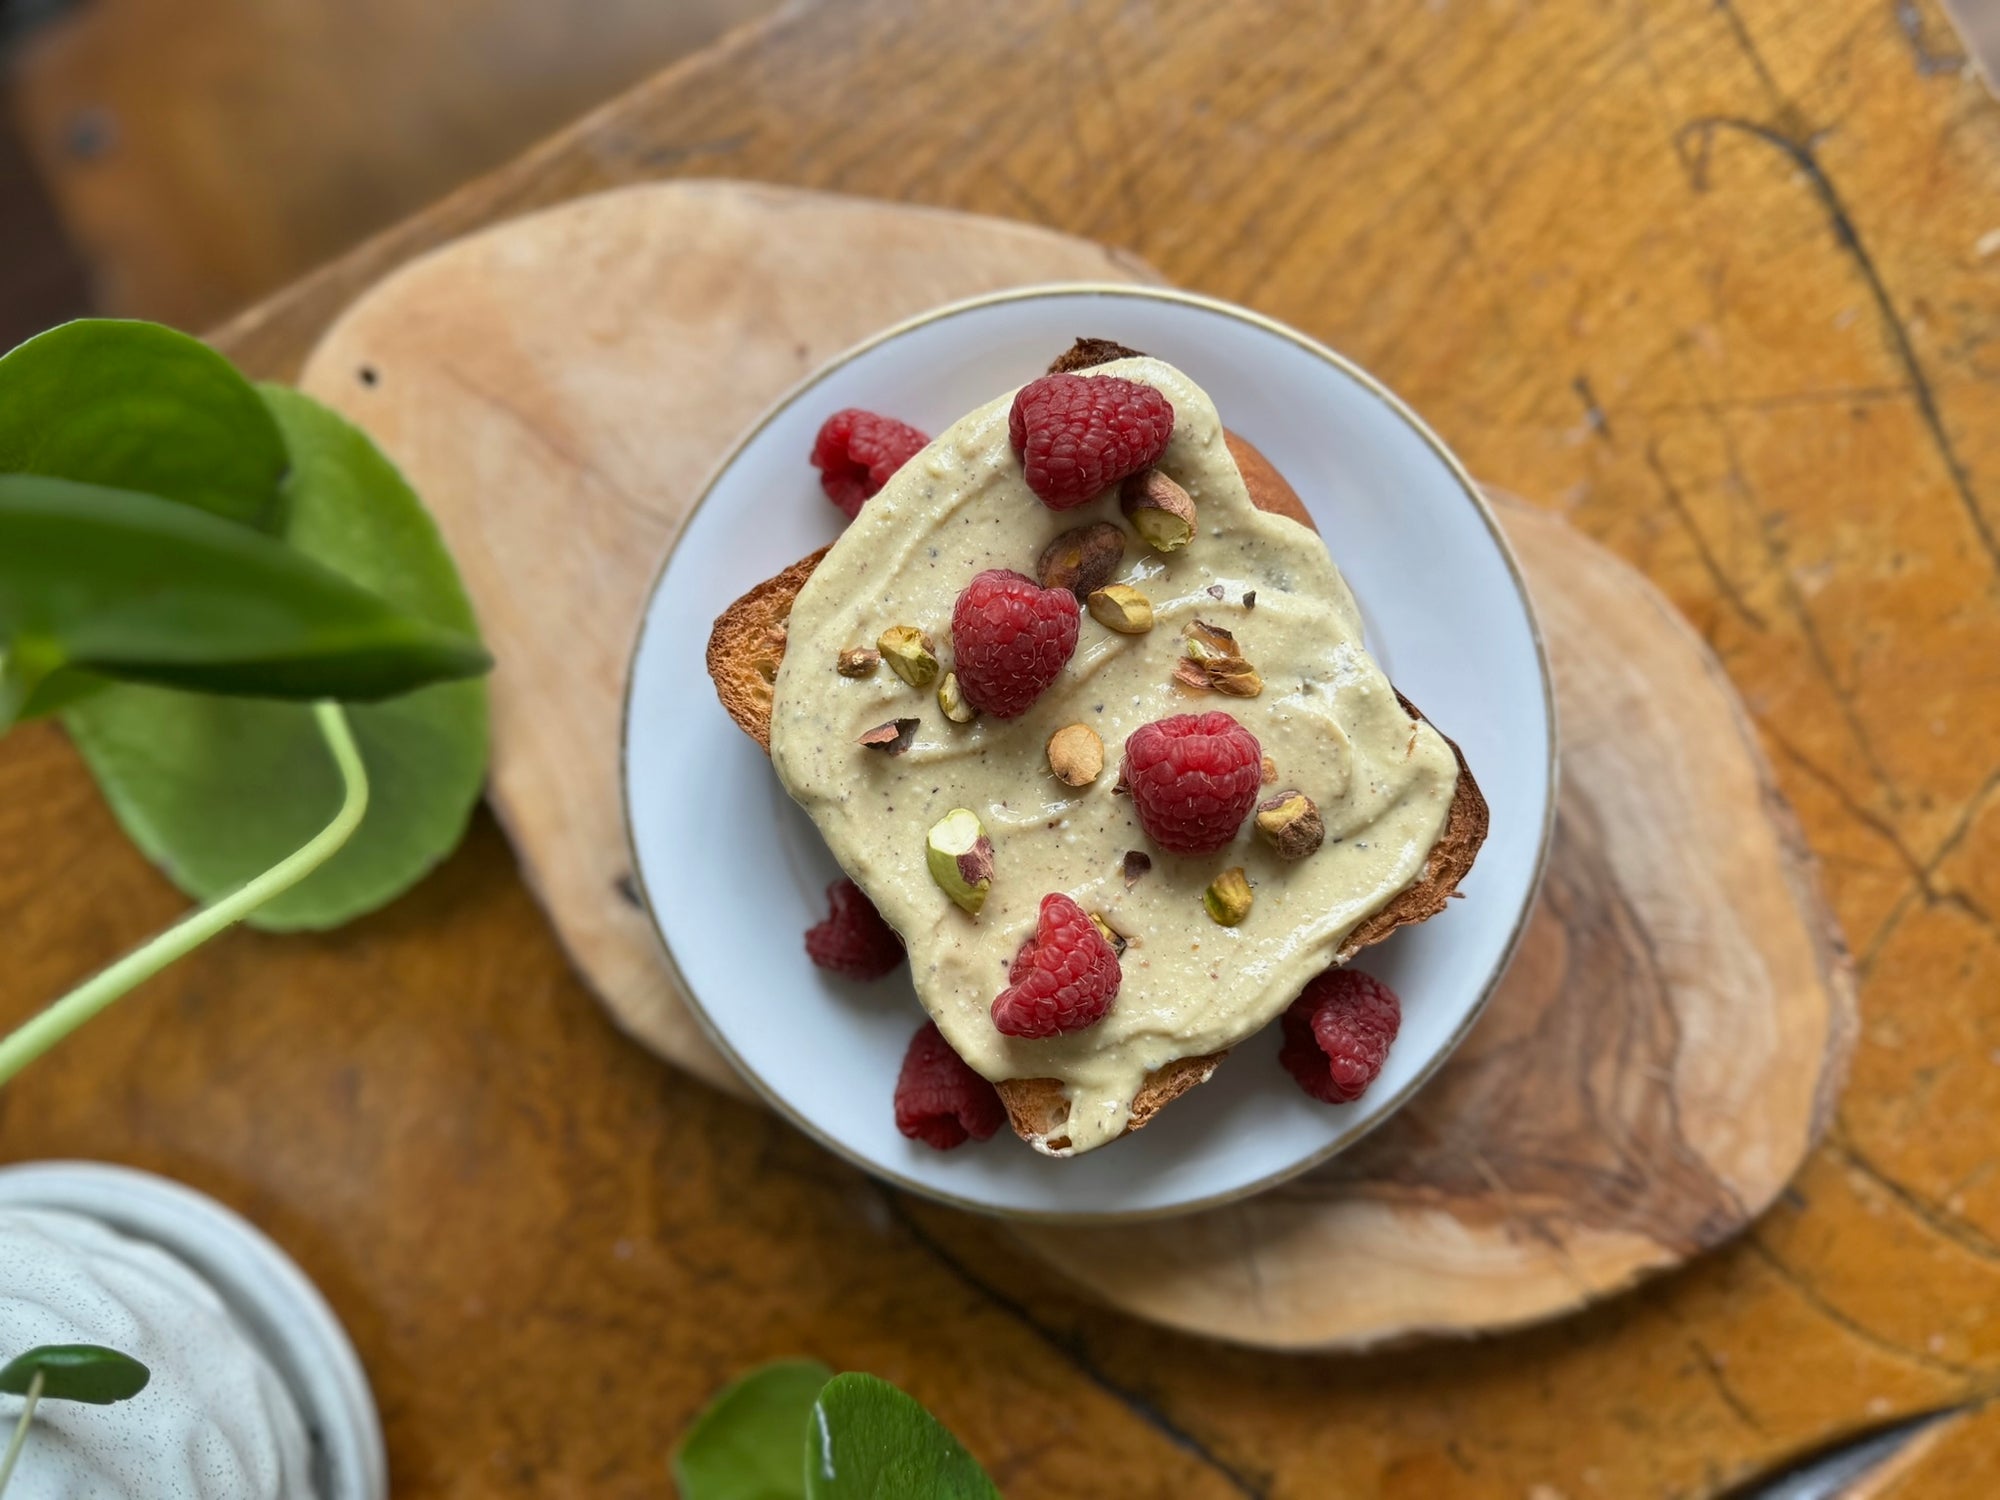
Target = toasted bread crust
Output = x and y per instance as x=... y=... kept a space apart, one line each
x=748 y=642
x=1038 y=1109
x=1087 y=352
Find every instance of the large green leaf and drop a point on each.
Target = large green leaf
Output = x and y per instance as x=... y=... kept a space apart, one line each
x=88 y=1373
x=869 y=1441
x=216 y=790
x=142 y=589
x=749 y=1444
x=140 y=407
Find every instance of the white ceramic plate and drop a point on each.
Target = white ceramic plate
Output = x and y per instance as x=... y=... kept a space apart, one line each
x=734 y=872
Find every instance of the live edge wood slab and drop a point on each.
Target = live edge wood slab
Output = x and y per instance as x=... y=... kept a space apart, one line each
x=1656 y=1065
x=1709 y=280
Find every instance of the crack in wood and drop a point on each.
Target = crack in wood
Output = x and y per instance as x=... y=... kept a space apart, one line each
x=1677 y=503
x=1869 y=819
x=1593 y=410
x=1747 y=45
x=1924 y=889
x=1961 y=825
x=1857 y=395
x=1614 y=1152
x=1073 y=1353
x=1795 y=600
x=1848 y=1323
x=1801 y=154
x=1711 y=1365
x=1960 y=1231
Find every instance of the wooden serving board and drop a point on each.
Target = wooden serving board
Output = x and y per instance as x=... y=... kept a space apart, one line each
x=1655 y=1067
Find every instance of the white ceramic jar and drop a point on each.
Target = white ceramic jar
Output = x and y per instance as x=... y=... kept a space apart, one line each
x=214 y=1423
x=255 y=1394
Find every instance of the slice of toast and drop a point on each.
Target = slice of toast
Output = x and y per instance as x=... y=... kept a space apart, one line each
x=748 y=643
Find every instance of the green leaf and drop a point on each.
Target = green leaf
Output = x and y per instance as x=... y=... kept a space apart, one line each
x=140 y=589
x=137 y=406
x=216 y=790
x=76 y=1372
x=27 y=668
x=57 y=690
x=869 y=1441
x=747 y=1445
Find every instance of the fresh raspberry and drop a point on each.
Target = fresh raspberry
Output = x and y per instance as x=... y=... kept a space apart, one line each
x=1010 y=638
x=1080 y=434
x=939 y=1099
x=1070 y=976
x=1337 y=1034
x=1193 y=780
x=854 y=940
x=857 y=451
x=1024 y=960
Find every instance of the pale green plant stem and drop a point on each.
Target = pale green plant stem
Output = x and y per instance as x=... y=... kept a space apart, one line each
x=95 y=994
x=21 y=1430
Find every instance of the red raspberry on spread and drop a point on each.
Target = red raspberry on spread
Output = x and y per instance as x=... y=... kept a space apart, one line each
x=1077 y=435
x=1337 y=1034
x=1010 y=638
x=857 y=451
x=1024 y=959
x=1068 y=980
x=853 y=940
x=1193 y=780
x=939 y=1099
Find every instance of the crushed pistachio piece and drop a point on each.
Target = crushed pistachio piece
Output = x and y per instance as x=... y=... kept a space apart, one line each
x=1082 y=559
x=910 y=654
x=858 y=661
x=1215 y=652
x=1120 y=607
x=951 y=700
x=1076 y=755
x=1228 y=897
x=1159 y=510
x=1291 y=824
x=960 y=857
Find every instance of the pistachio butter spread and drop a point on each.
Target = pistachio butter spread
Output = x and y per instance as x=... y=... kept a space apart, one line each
x=1381 y=781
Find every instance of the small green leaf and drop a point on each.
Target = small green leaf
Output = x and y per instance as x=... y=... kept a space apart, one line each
x=76 y=1372
x=138 y=588
x=869 y=1441
x=746 y=1446
x=216 y=790
x=136 y=406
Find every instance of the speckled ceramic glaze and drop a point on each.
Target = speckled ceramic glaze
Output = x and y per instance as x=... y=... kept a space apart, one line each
x=214 y=1423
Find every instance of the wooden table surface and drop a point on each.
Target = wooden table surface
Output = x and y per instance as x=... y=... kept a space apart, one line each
x=1720 y=281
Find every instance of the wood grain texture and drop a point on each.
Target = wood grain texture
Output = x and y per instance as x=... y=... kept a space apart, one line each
x=1667 y=1046
x=559 y=390
x=1755 y=358
x=1658 y=1065
x=204 y=152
